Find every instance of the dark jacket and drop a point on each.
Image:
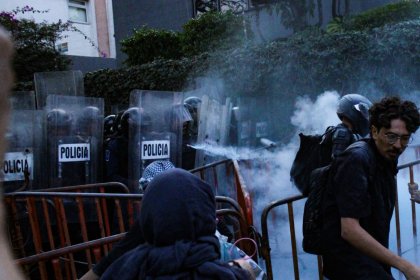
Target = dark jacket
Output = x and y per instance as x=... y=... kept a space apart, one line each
x=116 y=160
x=363 y=187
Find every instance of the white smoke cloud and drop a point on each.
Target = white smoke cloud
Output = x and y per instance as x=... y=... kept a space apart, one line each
x=267 y=177
x=315 y=117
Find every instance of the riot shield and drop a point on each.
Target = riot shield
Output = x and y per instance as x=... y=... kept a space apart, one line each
x=190 y=134
x=213 y=129
x=253 y=121
x=158 y=133
x=74 y=133
x=23 y=100
x=21 y=168
x=69 y=83
x=265 y=120
x=211 y=87
x=245 y=122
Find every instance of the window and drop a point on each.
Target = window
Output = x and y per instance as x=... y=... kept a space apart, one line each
x=63 y=47
x=78 y=11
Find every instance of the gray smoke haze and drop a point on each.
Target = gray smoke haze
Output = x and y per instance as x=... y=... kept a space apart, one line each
x=267 y=177
x=267 y=172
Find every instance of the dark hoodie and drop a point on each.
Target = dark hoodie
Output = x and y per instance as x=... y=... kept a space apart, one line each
x=178 y=220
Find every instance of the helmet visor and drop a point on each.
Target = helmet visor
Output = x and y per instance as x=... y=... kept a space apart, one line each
x=181 y=113
x=363 y=108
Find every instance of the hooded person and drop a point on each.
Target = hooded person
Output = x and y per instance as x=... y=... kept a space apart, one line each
x=134 y=236
x=179 y=234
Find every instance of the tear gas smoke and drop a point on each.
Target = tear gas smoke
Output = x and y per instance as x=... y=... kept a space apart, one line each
x=267 y=176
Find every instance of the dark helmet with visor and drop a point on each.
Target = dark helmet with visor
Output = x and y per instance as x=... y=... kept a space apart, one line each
x=109 y=124
x=59 y=117
x=134 y=117
x=193 y=101
x=355 y=108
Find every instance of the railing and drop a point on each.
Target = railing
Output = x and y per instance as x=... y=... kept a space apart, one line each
x=40 y=222
x=66 y=258
x=108 y=187
x=43 y=223
x=227 y=180
x=265 y=240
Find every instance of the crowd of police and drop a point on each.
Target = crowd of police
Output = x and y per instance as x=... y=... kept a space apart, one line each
x=65 y=140
x=70 y=142
x=126 y=127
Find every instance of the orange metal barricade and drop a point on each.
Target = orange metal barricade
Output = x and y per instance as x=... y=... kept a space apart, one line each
x=226 y=177
x=59 y=233
x=45 y=221
x=74 y=259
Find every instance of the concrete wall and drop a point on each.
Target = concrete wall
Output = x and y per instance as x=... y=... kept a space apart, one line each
x=172 y=14
x=163 y=14
x=89 y=64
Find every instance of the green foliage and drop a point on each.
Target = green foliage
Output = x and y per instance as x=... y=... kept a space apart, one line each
x=115 y=85
x=214 y=31
x=387 y=14
x=34 y=43
x=209 y=32
x=310 y=62
x=336 y=25
x=147 y=44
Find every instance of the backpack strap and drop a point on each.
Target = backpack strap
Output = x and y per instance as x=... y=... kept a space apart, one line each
x=327 y=134
x=363 y=143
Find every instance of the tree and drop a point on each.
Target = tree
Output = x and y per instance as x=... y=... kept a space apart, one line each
x=147 y=44
x=34 y=44
x=215 y=31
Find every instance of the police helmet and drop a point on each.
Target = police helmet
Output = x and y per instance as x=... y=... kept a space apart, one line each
x=109 y=124
x=89 y=120
x=116 y=127
x=59 y=118
x=193 y=101
x=355 y=108
x=90 y=113
x=178 y=114
x=133 y=117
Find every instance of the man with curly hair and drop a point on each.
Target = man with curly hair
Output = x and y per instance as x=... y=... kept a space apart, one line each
x=360 y=198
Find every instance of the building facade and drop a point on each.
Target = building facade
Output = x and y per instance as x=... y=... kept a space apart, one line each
x=92 y=21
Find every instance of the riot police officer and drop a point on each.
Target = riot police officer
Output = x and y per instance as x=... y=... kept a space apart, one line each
x=61 y=171
x=109 y=124
x=353 y=113
x=190 y=132
x=89 y=121
x=117 y=155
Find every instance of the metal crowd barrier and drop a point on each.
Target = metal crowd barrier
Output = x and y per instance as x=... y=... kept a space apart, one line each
x=226 y=177
x=74 y=226
x=74 y=259
x=44 y=221
x=265 y=240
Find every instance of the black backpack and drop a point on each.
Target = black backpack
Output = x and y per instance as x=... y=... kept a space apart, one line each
x=314 y=152
x=312 y=214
